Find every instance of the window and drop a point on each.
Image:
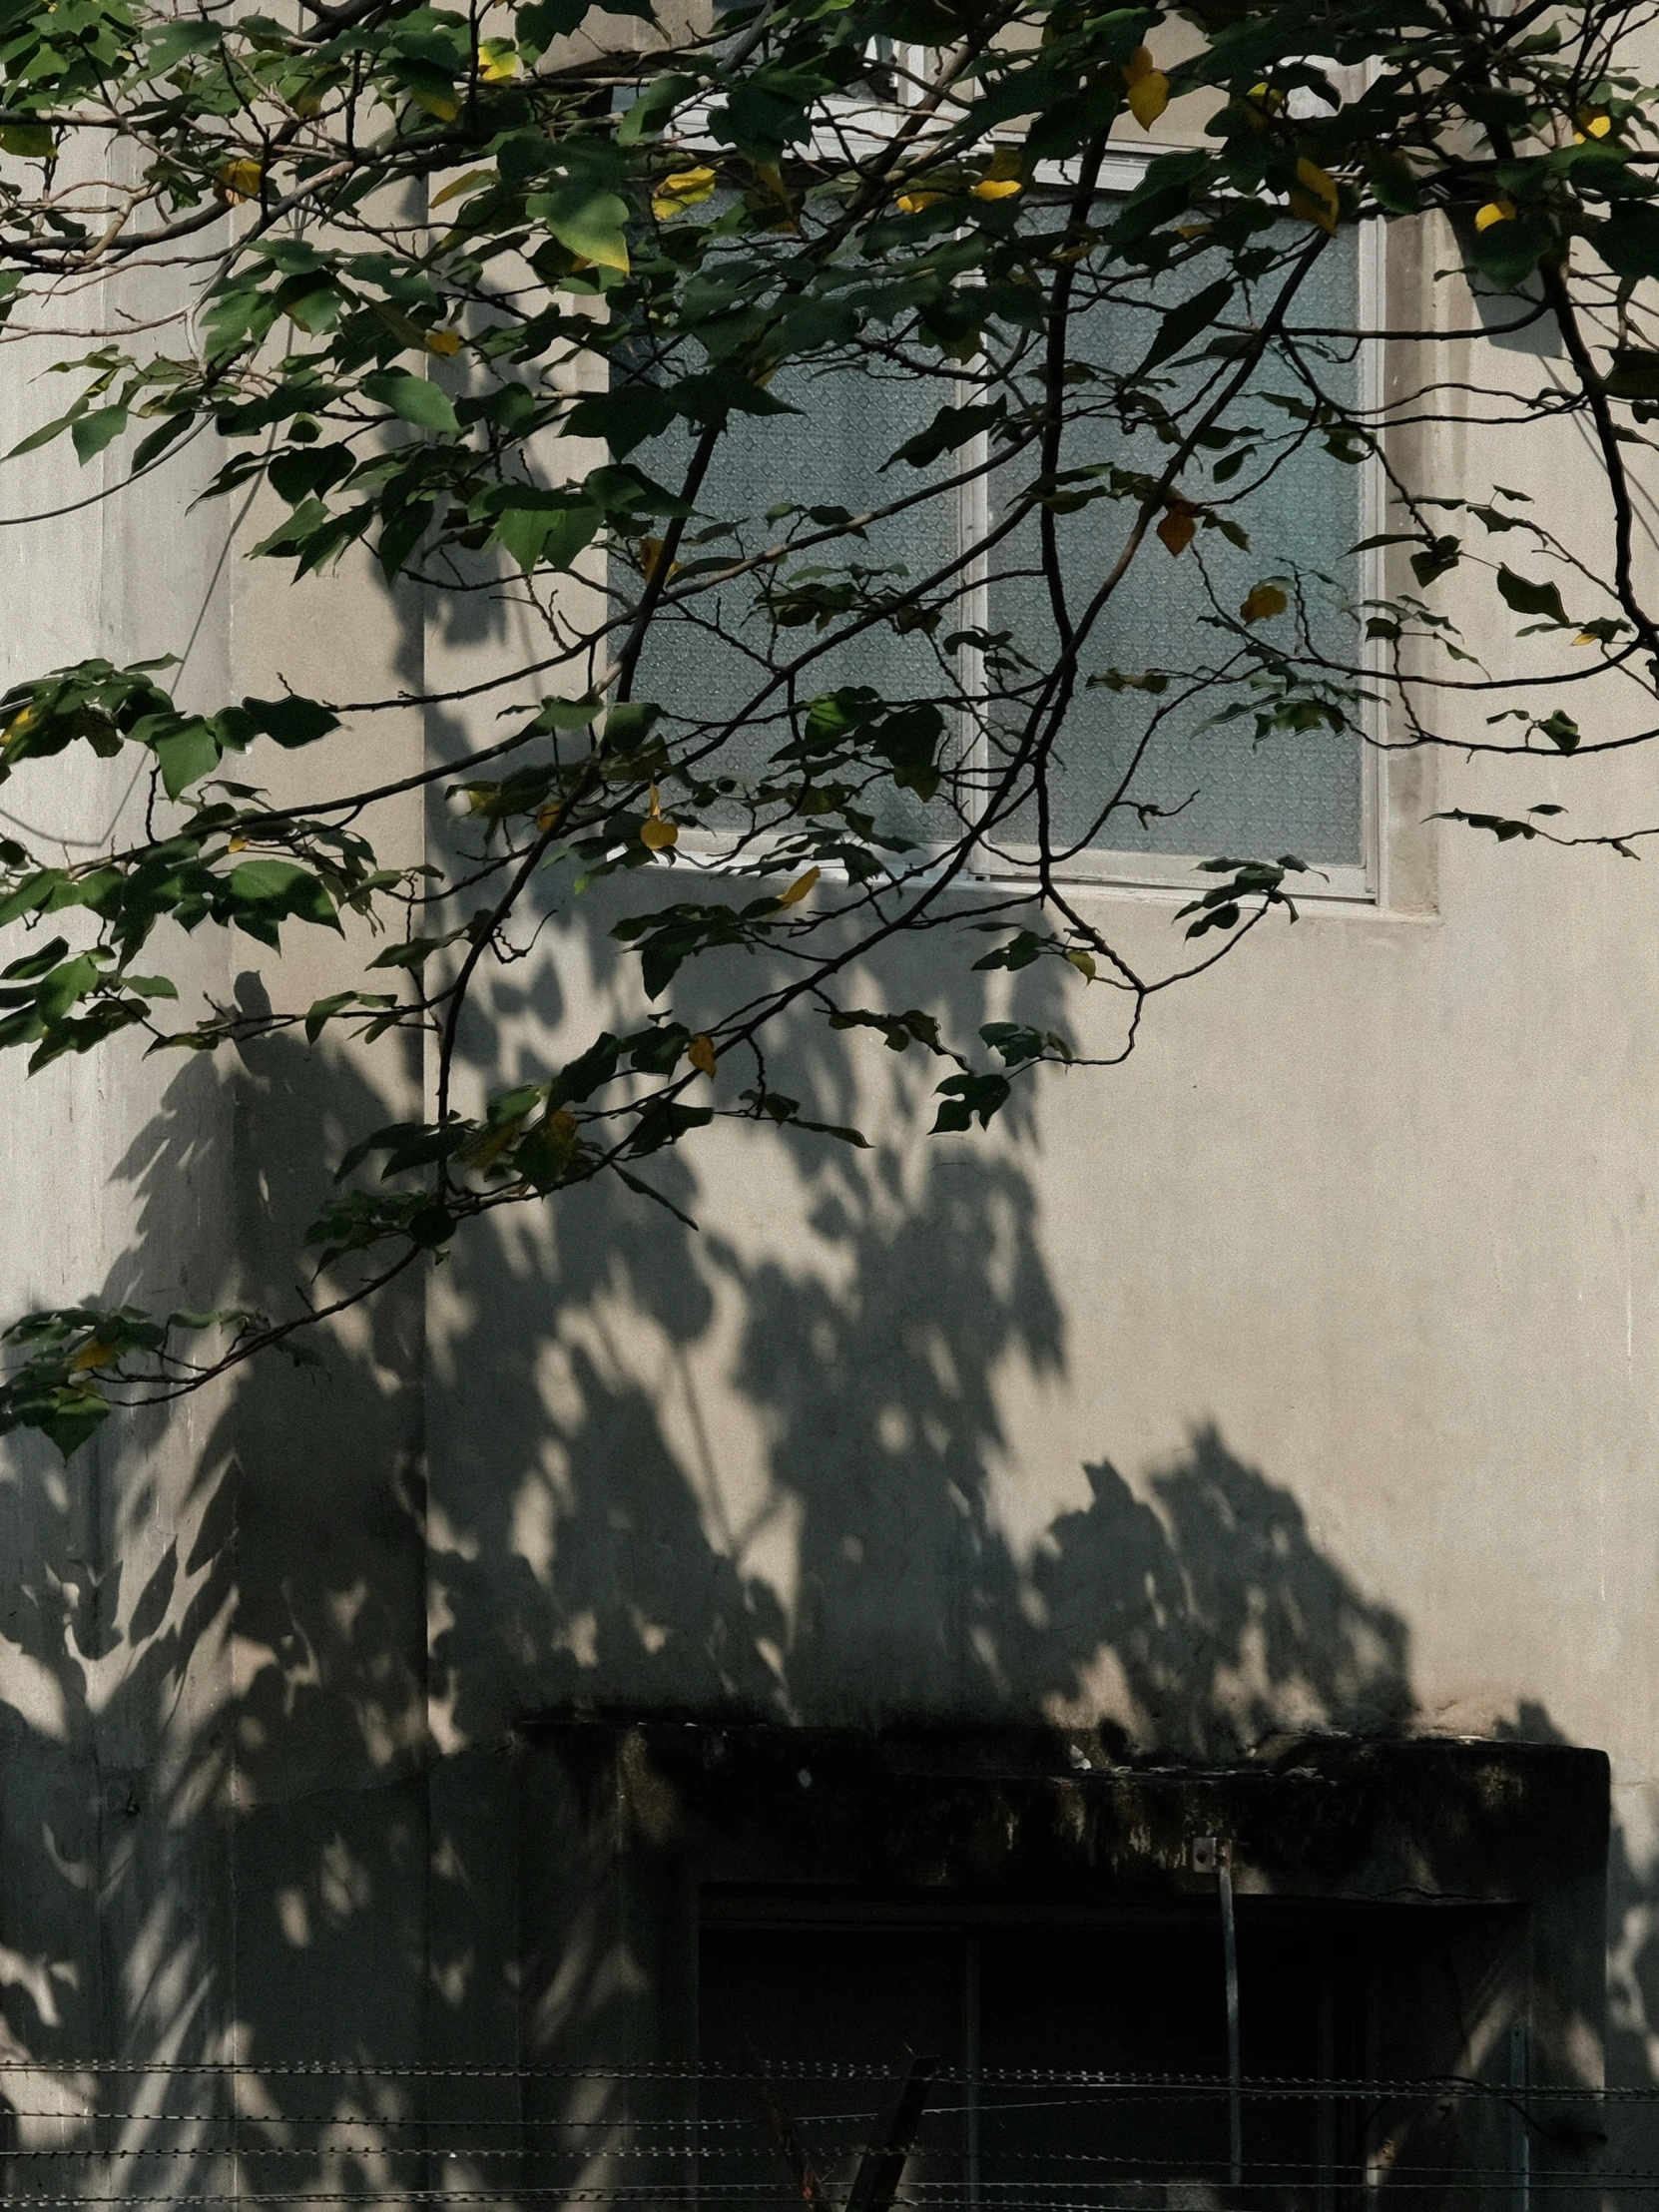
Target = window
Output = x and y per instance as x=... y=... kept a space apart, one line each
x=820 y=1993
x=1218 y=788
x=1143 y=783
x=1422 y=1954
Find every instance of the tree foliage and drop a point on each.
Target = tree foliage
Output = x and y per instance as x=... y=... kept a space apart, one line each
x=492 y=297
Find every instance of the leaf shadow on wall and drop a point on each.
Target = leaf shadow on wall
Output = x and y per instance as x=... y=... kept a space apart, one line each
x=264 y=1785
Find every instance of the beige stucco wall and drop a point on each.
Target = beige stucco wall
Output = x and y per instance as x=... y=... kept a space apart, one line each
x=1300 y=1374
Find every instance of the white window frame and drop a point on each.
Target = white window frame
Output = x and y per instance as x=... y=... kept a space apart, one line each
x=1107 y=868
x=1113 y=869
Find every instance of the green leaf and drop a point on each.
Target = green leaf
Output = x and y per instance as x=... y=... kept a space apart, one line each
x=412 y=399
x=1528 y=598
x=1439 y=555
x=623 y=417
x=292 y=720
x=32 y=142
x=71 y=1416
x=950 y=428
x=1628 y=242
x=266 y=891
x=542 y=21
x=94 y=431
x=321 y=1011
x=1507 y=254
x=567 y=714
x=1184 y=324
x=151 y=447
x=650 y=112
x=589 y=221
x=1635 y=376
x=186 y=756
x=266 y=879
x=550 y=526
x=962 y=1097
x=1562 y=732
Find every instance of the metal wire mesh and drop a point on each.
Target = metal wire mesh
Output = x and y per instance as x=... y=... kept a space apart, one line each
x=358 y=2131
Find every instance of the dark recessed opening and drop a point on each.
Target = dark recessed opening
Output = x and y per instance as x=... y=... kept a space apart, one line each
x=804 y=1984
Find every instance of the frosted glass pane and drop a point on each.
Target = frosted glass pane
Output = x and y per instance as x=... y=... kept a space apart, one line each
x=1294 y=792
x=829 y=455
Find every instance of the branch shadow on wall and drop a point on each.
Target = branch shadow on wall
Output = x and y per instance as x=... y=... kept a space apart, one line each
x=266 y=1788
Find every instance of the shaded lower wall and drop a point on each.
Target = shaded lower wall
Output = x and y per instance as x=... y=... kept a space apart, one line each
x=280 y=1780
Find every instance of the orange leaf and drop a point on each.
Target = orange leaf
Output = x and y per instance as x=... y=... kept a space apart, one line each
x=1263 y=602
x=659 y=834
x=1177 y=529
x=700 y=1054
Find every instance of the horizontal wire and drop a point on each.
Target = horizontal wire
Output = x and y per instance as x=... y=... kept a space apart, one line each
x=612 y=2121
x=1395 y=2181
x=1265 y=2086
x=827 y=2151
x=1184 y=2169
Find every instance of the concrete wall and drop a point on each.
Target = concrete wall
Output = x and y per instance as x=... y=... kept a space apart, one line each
x=1300 y=1375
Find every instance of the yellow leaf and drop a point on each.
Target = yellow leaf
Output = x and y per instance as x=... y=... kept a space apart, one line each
x=700 y=1054
x=1138 y=65
x=1317 y=201
x=1586 y=637
x=238 y=844
x=1148 y=98
x=996 y=187
x=913 y=203
x=798 y=889
x=443 y=343
x=1263 y=602
x=92 y=1354
x=438 y=105
x=658 y=834
x=1594 y=122
x=498 y=58
x=480 y=798
x=493 y=1142
x=1082 y=961
x=1176 y=528
x=1495 y=210
x=685 y=189
x=242 y=180
x=462 y=184
x=651 y=552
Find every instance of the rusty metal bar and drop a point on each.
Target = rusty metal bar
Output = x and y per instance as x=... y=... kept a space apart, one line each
x=790 y=2148
x=881 y=2167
